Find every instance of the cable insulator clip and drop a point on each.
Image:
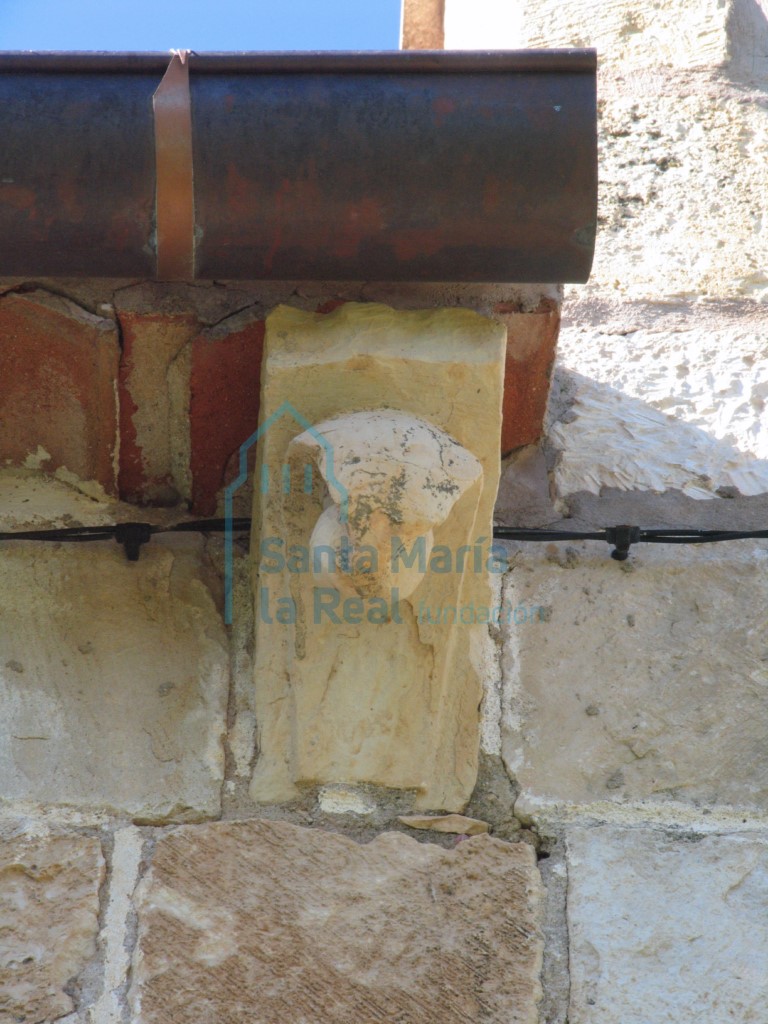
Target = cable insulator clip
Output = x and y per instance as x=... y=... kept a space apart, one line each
x=132 y=536
x=622 y=537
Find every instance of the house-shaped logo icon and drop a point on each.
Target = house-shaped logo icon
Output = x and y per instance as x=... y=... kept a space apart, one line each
x=272 y=476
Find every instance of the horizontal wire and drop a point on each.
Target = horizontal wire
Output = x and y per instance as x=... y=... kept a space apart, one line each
x=623 y=536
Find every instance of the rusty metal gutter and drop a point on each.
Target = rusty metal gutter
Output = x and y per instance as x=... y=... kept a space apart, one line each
x=398 y=166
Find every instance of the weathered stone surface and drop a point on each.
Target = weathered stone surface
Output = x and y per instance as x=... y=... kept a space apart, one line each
x=682 y=199
x=393 y=480
x=267 y=923
x=381 y=695
x=682 y=204
x=648 y=685
x=117 y=922
x=679 y=33
x=669 y=929
x=457 y=824
x=422 y=25
x=524 y=490
x=656 y=399
x=154 y=406
x=49 y=903
x=661 y=400
x=58 y=366
x=113 y=680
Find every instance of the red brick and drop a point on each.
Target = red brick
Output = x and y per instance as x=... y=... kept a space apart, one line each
x=58 y=365
x=531 y=346
x=223 y=405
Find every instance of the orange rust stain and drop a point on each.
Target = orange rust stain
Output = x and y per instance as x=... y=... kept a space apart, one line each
x=442 y=108
x=294 y=206
x=239 y=191
x=491 y=195
x=17 y=196
x=277 y=238
x=360 y=220
x=415 y=242
x=67 y=194
x=229 y=102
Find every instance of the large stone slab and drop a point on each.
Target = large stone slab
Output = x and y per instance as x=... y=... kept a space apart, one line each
x=669 y=929
x=266 y=923
x=49 y=904
x=113 y=680
x=642 y=685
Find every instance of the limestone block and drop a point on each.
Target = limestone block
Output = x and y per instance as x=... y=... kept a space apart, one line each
x=654 y=399
x=680 y=33
x=664 y=928
x=422 y=25
x=58 y=366
x=154 y=406
x=269 y=923
x=682 y=187
x=49 y=905
x=113 y=680
x=381 y=690
x=647 y=685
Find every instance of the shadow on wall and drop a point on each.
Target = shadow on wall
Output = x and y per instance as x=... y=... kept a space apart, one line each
x=608 y=439
x=747 y=31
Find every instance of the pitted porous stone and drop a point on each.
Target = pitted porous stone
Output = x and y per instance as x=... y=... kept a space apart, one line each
x=640 y=686
x=267 y=923
x=668 y=929
x=122 y=696
x=49 y=903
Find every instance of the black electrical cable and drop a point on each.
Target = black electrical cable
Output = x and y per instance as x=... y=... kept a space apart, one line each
x=133 y=535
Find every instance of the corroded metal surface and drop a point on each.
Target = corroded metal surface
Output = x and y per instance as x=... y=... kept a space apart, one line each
x=399 y=166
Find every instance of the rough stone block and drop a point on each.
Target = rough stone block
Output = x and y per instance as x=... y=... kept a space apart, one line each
x=266 y=923
x=646 y=685
x=679 y=33
x=383 y=691
x=666 y=139
x=49 y=905
x=154 y=406
x=664 y=928
x=422 y=25
x=677 y=401
x=524 y=490
x=113 y=680
x=58 y=366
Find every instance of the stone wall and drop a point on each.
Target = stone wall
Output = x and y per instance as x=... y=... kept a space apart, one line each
x=143 y=874
x=612 y=863
x=633 y=710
